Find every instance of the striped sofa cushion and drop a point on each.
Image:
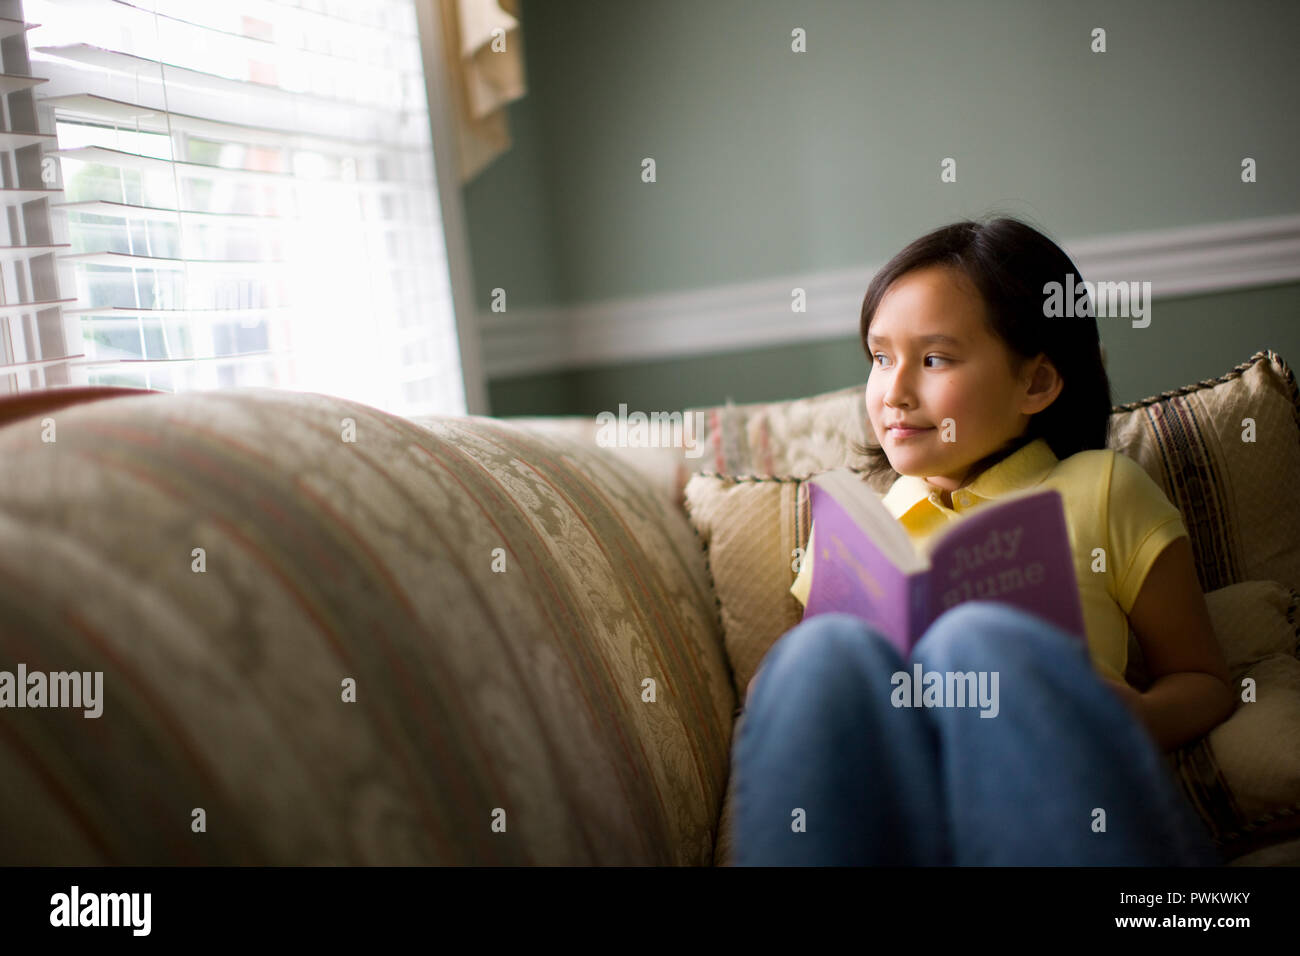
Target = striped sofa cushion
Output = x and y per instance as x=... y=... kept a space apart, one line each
x=448 y=643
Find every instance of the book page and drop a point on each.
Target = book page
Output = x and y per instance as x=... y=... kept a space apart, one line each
x=867 y=510
x=852 y=575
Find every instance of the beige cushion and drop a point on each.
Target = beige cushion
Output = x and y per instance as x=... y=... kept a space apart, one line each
x=749 y=529
x=1244 y=775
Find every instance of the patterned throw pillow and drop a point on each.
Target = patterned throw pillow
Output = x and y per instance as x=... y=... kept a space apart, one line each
x=1244 y=775
x=1226 y=451
x=794 y=439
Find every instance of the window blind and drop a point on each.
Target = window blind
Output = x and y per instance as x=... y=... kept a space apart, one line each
x=245 y=196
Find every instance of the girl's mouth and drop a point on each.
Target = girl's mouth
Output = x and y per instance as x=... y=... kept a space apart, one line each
x=898 y=434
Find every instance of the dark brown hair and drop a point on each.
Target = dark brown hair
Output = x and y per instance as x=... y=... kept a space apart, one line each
x=1010 y=263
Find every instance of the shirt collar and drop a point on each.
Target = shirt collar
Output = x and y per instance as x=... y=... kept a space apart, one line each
x=1023 y=468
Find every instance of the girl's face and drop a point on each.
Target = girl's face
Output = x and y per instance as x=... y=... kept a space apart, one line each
x=958 y=390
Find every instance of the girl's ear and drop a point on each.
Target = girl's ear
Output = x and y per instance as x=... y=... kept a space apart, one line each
x=1045 y=383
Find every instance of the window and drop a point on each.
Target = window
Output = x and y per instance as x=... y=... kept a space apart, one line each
x=248 y=198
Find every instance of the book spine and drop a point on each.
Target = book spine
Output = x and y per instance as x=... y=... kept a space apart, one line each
x=918 y=604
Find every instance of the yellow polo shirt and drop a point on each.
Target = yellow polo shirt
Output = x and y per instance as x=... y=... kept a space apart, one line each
x=1111 y=504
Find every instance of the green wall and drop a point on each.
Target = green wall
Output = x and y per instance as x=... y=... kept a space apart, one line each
x=1211 y=334
x=774 y=163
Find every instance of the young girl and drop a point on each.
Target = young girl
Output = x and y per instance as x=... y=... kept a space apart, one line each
x=975 y=392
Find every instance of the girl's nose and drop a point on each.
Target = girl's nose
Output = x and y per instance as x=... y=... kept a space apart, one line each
x=897 y=395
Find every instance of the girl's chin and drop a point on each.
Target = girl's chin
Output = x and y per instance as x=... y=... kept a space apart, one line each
x=906 y=464
x=911 y=471
x=916 y=467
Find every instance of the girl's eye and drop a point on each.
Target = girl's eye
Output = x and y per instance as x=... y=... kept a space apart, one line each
x=939 y=357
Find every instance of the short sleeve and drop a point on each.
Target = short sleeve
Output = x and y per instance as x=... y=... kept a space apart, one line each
x=1142 y=523
x=804 y=579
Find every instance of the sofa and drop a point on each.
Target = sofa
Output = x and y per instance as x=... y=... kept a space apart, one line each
x=330 y=635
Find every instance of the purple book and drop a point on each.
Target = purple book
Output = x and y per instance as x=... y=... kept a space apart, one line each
x=1016 y=550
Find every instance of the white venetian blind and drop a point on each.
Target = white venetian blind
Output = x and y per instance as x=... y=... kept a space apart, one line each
x=248 y=197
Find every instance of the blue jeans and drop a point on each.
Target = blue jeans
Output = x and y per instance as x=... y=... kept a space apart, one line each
x=830 y=772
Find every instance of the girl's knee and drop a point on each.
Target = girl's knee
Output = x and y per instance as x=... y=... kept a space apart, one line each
x=976 y=631
x=830 y=644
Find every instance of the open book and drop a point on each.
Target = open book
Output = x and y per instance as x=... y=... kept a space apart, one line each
x=1016 y=550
